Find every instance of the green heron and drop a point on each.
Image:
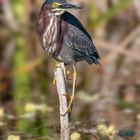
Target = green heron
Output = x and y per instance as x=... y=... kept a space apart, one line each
x=64 y=38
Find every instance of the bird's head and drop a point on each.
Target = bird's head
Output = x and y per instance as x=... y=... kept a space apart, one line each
x=58 y=7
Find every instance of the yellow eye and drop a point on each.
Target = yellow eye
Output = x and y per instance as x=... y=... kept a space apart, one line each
x=56 y=4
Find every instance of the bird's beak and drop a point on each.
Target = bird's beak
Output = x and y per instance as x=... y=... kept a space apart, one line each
x=69 y=6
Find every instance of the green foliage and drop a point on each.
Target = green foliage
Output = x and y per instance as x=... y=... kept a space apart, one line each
x=128 y=105
x=18 y=8
x=43 y=80
x=22 y=87
x=23 y=91
x=97 y=18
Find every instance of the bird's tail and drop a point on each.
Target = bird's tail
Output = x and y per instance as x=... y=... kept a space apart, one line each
x=93 y=59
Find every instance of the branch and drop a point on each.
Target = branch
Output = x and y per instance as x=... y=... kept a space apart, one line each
x=113 y=48
x=9 y=16
x=117 y=49
x=62 y=90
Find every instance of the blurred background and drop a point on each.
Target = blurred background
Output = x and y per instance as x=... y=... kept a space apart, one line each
x=107 y=102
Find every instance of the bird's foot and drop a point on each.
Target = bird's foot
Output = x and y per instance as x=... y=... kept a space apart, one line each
x=57 y=66
x=67 y=96
x=70 y=104
x=68 y=75
x=54 y=81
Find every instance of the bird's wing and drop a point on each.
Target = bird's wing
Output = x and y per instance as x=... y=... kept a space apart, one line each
x=79 y=39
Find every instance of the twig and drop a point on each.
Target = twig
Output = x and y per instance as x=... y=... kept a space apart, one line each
x=117 y=49
x=8 y=15
x=61 y=89
x=114 y=48
x=8 y=53
x=124 y=43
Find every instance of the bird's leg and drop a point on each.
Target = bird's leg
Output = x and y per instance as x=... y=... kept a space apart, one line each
x=54 y=81
x=71 y=98
x=68 y=74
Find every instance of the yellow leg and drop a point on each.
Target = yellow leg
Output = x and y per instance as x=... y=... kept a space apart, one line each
x=68 y=74
x=54 y=81
x=73 y=90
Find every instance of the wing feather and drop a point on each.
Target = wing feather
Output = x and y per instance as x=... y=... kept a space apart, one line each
x=79 y=40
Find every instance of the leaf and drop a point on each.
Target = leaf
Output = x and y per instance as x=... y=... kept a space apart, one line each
x=112 y=12
x=75 y=136
x=13 y=137
x=32 y=107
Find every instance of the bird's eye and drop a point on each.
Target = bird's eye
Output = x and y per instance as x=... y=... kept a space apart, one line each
x=56 y=4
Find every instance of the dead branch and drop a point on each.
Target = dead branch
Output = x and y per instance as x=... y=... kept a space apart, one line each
x=117 y=49
x=9 y=17
x=61 y=89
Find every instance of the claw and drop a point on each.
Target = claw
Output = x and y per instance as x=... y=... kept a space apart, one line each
x=69 y=108
x=68 y=75
x=58 y=65
x=54 y=81
x=67 y=96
